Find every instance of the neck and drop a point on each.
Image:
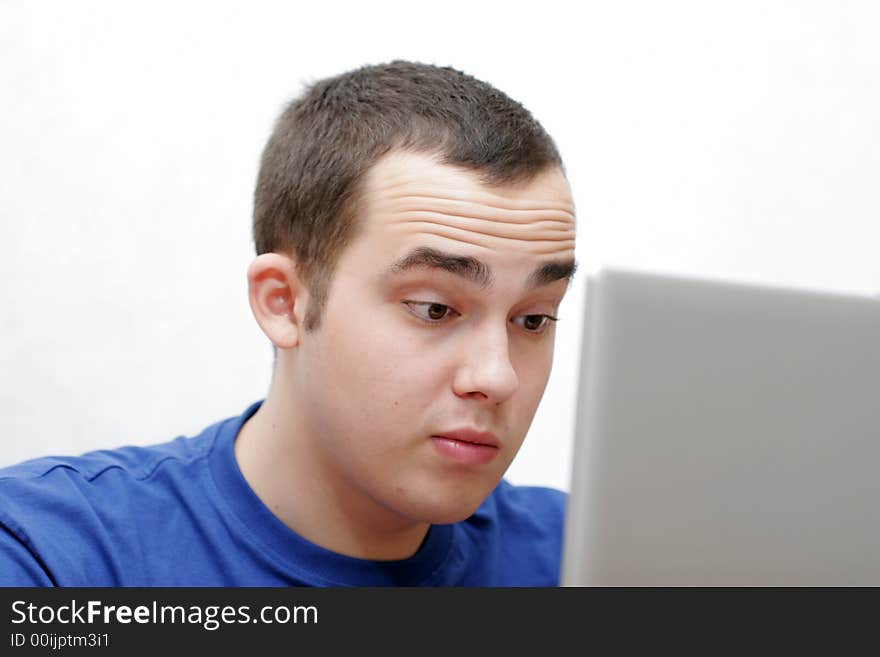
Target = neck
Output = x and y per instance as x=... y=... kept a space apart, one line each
x=279 y=459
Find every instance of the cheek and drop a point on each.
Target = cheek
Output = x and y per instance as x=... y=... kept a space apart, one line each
x=533 y=372
x=380 y=370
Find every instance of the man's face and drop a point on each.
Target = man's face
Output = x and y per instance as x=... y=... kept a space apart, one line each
x=435 y=345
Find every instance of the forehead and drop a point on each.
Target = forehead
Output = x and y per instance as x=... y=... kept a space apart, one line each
x=411 y=200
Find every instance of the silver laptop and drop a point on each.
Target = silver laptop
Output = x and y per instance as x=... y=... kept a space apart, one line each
x=727 y=435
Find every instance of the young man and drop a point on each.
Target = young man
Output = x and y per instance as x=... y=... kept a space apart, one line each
x=415 y=236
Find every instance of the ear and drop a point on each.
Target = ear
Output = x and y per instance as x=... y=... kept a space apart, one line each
x=278 y=298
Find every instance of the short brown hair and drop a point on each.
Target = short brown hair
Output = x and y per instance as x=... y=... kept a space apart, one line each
x=329 y=137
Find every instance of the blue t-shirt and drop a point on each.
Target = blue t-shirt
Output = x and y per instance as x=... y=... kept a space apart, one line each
x=182 y=514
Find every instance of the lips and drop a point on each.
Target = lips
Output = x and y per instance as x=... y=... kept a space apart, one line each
x=472 y=436
x=467 y=446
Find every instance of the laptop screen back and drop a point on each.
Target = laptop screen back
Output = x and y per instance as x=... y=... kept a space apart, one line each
x=726 y=435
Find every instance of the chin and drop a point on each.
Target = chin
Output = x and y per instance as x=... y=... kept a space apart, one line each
x=439 y=500
x=446 y=511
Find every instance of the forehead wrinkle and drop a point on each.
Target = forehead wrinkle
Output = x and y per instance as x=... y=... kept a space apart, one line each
x=467 y=267
x=533 y=231
x=443 y=185
x=523 y=227
x=455 y=210
x=548 y=248
x=487 y=220
x=456 y=199
x=538 y=242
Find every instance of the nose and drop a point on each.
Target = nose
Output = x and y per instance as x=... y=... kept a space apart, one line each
x=486 y=371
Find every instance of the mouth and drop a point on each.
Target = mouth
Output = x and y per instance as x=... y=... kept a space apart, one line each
x=467 y=447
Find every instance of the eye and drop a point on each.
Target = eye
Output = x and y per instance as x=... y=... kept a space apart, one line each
x=430 y=311
x=534 y=323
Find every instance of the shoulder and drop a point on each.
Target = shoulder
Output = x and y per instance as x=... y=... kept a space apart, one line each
x=92 y=472
x=64 y=518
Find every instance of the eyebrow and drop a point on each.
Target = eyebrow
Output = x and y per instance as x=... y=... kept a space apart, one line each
x=475 y=270
x=552 y=272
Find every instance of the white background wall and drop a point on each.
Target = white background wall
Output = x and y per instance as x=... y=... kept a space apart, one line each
x=734 y=140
